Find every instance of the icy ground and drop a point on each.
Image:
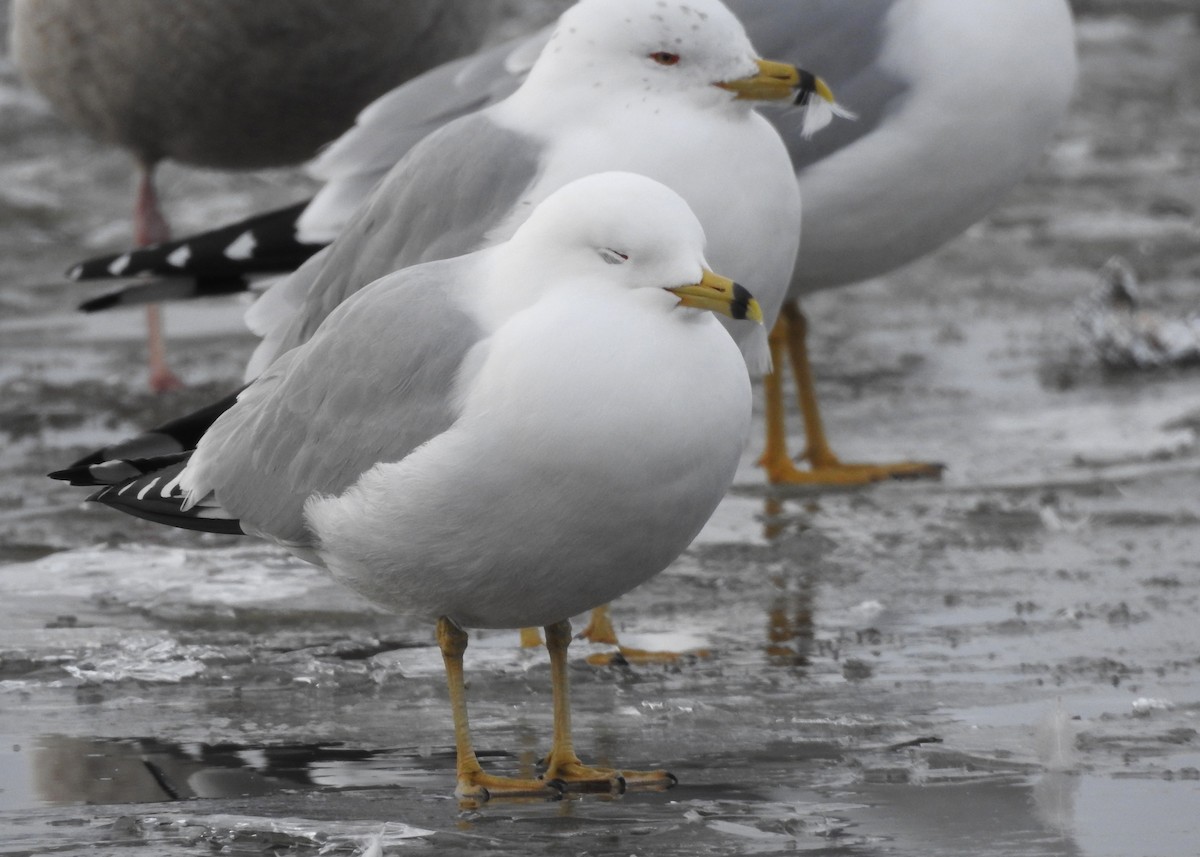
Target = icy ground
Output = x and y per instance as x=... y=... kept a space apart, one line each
x=1005 y=662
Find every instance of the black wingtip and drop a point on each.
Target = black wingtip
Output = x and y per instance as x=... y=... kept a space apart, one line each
x=170 y=438
x=272 y=247
x=116 y=471
x=102 y=302
x=166 y=513
x=107 y=267
x=163 y=289
x=87 y=461
x=73 y=475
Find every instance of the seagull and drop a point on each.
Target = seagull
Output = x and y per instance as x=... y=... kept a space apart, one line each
x=500 y=439
x=224 y=83
x=944 y=127
x=954 y=102
x=665 y=90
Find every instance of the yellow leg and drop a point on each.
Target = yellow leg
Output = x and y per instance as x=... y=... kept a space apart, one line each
x=775 y=459
x=531 y=638
x=473 y=783
x=562 y=765
x=825 y=467
x=600 y=630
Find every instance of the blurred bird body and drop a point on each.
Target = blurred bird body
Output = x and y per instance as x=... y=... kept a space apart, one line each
x=225 y=83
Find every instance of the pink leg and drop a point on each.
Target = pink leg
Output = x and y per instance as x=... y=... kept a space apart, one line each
x=150 y=227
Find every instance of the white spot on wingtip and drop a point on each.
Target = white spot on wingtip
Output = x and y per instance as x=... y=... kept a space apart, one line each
x=141 y=495
x=118 y=265
x=171 y=487
x=242 y=247
x=180 y=256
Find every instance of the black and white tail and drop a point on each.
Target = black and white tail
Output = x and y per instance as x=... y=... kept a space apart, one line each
x=165 y=290
x=217 y=262
x=155 y=495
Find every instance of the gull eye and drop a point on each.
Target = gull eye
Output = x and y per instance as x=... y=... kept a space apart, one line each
x=612 y=257
x=665 y=57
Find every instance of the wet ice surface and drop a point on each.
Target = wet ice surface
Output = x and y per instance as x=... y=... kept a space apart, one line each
x=1003 y=662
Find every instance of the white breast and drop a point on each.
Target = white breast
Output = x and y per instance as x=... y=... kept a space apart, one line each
x=579 y=469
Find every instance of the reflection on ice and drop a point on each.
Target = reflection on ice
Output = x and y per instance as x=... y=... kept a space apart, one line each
x=1055 y=738
x=67 y=770
x=1054 y=796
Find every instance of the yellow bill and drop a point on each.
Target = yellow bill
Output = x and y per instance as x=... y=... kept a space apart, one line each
x=720 y=295
x=778 y=81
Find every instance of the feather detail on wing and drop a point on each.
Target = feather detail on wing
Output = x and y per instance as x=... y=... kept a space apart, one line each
x=156 y=496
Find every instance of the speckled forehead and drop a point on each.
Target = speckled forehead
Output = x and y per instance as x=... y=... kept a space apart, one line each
x=707 y=25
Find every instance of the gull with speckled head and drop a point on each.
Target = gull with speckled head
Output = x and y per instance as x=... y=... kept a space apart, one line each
x=955 y=102
x=663 y=89
x=667 y=90
x=502 y=439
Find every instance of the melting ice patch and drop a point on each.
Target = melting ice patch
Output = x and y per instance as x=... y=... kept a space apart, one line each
x=238 y=832
x=1105 y=429
x=1145 y=706
x=144 y=658
x=140 y=576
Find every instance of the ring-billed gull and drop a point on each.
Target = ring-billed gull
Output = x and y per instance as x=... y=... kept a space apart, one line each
x=226 y=83
x=955 y=102
x=501 y=439
x=620 y=85
x=666 y=90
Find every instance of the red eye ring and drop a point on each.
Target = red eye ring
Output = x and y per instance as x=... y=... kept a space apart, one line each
x=665 y=57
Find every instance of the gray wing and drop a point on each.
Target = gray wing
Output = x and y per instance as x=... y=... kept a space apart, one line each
x=440 y=201
x=840 y=40
x=386 y=130
x=373 y=383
